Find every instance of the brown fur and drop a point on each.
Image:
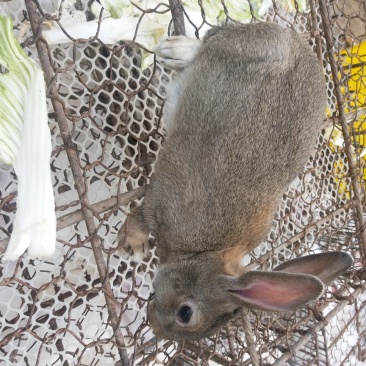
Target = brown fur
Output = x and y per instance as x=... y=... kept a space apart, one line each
x=232 y=259
x=242 y=119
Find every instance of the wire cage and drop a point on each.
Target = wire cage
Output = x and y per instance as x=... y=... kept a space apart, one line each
x=87 y=305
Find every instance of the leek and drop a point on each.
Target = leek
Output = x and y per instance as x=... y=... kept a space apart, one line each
x=25 y=143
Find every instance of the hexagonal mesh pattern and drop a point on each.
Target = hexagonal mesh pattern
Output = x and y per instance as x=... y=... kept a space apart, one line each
x=87 y=306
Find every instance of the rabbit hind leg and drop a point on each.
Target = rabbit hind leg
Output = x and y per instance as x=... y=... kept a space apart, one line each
x=177 y=52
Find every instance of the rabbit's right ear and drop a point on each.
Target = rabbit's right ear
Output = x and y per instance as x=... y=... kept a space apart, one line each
x=326 y=266
x=292 y=284
x=273 y=291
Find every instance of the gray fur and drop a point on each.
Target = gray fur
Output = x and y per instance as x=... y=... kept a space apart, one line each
x=245 y=116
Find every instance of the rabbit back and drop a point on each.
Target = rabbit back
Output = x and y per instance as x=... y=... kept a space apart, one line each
x=247 y=114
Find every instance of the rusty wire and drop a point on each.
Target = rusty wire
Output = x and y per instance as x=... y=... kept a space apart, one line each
x=88 y=306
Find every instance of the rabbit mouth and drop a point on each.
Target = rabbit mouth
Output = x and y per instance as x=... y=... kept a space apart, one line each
x=221 y=321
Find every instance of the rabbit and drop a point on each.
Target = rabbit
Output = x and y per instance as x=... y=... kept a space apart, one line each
x=242 y=118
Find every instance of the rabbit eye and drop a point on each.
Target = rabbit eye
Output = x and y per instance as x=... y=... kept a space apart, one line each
x=185 y=314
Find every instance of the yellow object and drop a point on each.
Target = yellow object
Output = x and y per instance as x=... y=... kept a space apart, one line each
x=353 y=81
x=354 y=68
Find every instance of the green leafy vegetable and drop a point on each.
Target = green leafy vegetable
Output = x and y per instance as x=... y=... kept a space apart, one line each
x=25 y=143
x=121 y=18
x=115 y=7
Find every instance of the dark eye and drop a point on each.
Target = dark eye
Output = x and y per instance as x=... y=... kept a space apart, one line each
x=185 y=314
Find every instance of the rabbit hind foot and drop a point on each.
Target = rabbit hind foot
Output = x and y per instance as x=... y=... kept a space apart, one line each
x=177 y=52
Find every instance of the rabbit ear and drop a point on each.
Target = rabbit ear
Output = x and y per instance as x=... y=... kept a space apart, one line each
x=325 y=266
x=274 y=291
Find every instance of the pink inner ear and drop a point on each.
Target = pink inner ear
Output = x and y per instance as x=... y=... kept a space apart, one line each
x=271 y=295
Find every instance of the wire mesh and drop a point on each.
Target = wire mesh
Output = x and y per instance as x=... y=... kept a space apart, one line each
x=87 y=306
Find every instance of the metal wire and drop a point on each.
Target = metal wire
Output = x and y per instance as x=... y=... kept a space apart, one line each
x=87 y=306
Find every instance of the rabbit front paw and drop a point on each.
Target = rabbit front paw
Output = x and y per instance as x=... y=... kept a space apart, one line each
x=134 y=238
x=138 y=248
x=177 y=52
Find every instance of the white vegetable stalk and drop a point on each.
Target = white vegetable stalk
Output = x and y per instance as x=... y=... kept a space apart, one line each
x=25 y=142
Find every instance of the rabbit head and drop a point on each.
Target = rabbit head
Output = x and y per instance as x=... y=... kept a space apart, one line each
x=194 y=299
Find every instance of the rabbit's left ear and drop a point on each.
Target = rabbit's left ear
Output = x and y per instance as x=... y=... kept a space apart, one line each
x=326 y=266
x=273 y=291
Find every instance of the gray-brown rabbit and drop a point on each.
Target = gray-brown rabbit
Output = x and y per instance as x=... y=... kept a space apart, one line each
x=241 y=119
